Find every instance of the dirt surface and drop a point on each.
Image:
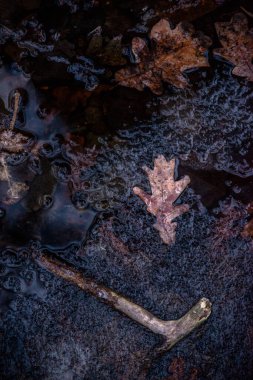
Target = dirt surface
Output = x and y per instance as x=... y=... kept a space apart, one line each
x=80 y=203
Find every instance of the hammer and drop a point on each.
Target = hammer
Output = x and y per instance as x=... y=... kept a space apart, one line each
x=172 y=330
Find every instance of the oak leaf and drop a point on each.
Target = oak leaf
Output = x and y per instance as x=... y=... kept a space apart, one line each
x=237 y=45
x=165 y=191
x=248 y=228
x=12 y=141
x=173 y=51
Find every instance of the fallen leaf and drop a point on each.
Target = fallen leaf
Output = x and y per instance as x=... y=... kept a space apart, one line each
x=237 y=45
x=248 y=228
x=178 y=370
x=116 y=244
x=165 y=191
x=173 y=51
x=16 y=190
x=12 y=141
x=229 y=224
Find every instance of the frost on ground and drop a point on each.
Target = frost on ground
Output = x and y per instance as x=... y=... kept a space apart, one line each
x=51 y=330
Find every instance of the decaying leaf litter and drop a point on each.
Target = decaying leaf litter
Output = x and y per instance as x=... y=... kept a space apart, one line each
x=236 y=39
x=96 y=194
x=173 y=330
x=175 y=51
x=12 y=142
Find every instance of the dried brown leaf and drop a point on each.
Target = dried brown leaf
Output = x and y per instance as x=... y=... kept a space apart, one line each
x=165 y=191
x=248 y=228
x=12 y=141
x=178 y=370
x=173 y=51
x=16 y=190
x=237 y=45
x=228 y=225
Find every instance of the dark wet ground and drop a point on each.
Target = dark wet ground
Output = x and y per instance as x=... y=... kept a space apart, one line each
x=80 y=206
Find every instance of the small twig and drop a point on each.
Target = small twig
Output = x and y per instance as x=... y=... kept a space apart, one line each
x=15 y=111
x=250 y=14
x=172 y=330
